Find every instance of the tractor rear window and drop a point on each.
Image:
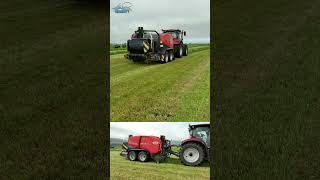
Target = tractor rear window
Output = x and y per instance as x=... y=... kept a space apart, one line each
x=202 y=133
x=174 y=35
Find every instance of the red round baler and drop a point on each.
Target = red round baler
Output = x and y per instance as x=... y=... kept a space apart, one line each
x=143 y=148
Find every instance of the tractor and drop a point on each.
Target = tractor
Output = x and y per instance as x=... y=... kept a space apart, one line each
x=193 y=151
x=149 y=45
x=196 y=149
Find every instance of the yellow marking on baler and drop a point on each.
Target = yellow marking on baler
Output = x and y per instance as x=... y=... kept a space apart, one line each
x=145 y=46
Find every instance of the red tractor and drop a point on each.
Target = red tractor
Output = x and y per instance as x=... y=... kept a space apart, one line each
x=192 y=153
x=196 y=149
x=149 y=45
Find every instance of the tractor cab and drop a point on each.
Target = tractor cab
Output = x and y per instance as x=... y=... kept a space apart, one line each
x=200 y=131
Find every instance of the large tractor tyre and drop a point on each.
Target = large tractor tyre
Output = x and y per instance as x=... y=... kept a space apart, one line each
x=166 y=57
x=185 y=50
x=143 y=156
x=132 y=155
x=179 y=51
x=192 y=154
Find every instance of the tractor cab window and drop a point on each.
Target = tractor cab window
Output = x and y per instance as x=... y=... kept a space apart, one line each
x=202 y=133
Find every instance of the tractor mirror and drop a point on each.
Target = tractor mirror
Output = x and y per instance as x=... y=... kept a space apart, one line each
x=184 y=33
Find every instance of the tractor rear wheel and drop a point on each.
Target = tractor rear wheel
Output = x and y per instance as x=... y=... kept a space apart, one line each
x=192 y=154
x=143 y=156
x=132 y=155
x=185 y=50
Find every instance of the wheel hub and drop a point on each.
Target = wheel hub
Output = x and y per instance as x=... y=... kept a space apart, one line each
x=143 y=157
x=131 y=156
x=191 y=155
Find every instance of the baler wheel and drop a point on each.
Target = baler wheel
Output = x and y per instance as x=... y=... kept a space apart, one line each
x=143 y=156
x=132 y=155
x=166 y=57
x=171 y=56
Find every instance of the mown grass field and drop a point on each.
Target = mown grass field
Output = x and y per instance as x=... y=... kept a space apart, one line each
x=52 y=89
x=175 y=91
x=123 y=169
x=266 y=89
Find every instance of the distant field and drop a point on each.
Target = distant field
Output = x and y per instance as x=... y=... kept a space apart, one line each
x=122 y=169
x=175 y=91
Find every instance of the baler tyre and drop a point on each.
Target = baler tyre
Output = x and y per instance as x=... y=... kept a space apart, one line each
x=143 y=156
x=192 y=154
x=132 y=155
x=185 y=50
x=166 y=57
x=180 y=52
x=171 y=56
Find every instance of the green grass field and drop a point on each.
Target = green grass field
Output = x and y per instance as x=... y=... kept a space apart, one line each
x=52 y=89
x=122 y=168
x=175 y=91
x=266 y=89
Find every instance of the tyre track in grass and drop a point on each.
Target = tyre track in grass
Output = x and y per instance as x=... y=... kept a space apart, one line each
x=148 y=89
x=120 y=65
x=196 y=98
x=147 y=96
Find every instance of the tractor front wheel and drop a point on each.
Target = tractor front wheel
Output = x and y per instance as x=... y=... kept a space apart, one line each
x=132 y=155
x=185 y=50
x=192 y=154
x=179 y=51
